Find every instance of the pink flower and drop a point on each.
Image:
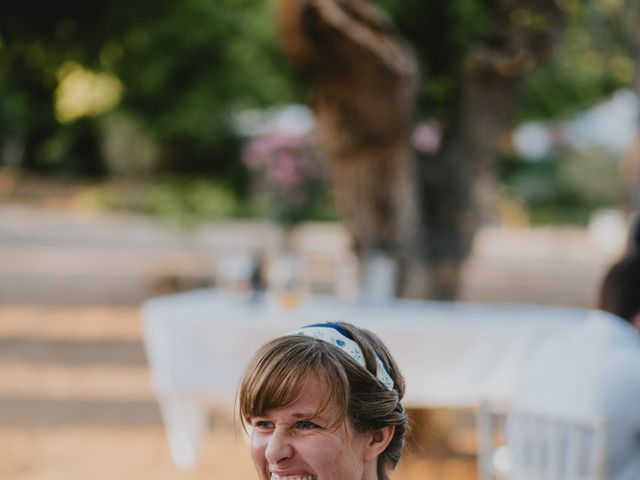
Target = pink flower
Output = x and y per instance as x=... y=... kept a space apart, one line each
x=426 y=138
x=284 y=169
x=286 y=172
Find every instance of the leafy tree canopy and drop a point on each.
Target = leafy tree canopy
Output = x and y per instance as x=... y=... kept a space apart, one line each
x=186 y=66
x=591 y=61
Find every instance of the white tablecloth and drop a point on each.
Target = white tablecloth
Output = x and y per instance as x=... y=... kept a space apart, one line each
x=451 y=354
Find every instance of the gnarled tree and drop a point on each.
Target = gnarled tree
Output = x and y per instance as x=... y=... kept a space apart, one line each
x=364 y=82
x=422 y=210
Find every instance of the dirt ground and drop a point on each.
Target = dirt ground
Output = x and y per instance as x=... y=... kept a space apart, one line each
x=76 y=402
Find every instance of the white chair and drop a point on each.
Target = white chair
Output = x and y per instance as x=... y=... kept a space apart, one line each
x=521 y=445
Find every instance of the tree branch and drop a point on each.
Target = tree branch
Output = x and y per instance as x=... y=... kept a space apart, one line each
x=365 y=25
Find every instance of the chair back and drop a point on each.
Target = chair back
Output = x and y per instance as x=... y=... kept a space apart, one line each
x=521 y=445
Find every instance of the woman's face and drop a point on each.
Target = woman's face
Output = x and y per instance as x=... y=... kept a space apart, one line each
x=300 y=442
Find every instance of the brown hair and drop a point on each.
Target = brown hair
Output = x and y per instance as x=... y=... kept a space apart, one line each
x=620 y=292
x=279 y=369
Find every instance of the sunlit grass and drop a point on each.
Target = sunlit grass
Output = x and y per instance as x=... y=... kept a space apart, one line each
x=183 y=201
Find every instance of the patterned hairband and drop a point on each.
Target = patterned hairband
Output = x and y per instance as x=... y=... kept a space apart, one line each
x=339 y=337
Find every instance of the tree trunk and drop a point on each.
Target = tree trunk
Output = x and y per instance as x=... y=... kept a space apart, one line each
x=456 y=189
x=421 y=211
x=363 y=88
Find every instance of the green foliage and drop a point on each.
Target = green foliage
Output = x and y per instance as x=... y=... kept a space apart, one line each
x=188 y=201
x=564 y=188
x=13 y=109
x=183 y=201
x=187 y=66
x=592 y=60
x=593 y=175
x=188 y=72
x=441 y=34
x=589 y=64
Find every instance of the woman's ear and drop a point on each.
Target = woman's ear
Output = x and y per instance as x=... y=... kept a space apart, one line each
x=379 y=440
x=636 y=321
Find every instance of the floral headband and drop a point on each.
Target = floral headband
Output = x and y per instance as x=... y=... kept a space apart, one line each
x=341 y=338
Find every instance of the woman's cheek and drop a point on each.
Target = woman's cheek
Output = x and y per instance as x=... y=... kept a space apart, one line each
x=258 y=445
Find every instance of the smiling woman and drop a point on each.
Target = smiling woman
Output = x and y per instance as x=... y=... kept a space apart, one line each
x=324 y=402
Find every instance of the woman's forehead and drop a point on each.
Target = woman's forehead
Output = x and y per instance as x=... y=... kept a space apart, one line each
x=312 y=398
x=308 y=389
x=312 y=389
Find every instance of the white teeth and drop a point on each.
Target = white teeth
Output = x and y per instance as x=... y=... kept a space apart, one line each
x=292 y=477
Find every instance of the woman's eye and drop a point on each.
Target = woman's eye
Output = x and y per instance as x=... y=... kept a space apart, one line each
x=262 y=424
x=306 y=425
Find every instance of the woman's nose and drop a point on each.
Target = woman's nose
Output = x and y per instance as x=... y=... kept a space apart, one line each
x=279 y=447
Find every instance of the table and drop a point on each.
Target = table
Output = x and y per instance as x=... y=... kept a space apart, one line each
x=451 y=354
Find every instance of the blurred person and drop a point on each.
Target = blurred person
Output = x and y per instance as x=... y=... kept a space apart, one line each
x=257 y=277
x=324 y=403
x=634 y=236
x=594 y=373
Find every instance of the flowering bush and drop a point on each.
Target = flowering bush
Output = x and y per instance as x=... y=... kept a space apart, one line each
x=288 y=179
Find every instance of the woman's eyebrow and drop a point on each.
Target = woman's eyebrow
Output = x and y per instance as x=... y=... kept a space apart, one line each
x=306 y=415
